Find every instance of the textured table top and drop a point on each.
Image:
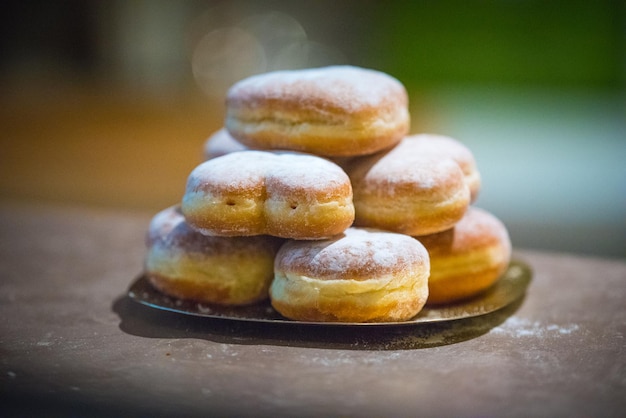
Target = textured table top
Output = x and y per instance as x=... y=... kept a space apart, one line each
x=71 y=341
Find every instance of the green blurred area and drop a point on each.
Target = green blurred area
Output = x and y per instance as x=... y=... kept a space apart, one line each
x=423 y=43
x=559 y=43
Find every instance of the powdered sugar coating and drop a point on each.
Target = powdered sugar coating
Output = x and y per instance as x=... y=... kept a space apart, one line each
x=338 y=87
x=234 y=171
x=432 y=144
x=289 y=172
x=169 y=234
x=221 y=143
x=357 y=254
x=422 y=176
x=440 y=146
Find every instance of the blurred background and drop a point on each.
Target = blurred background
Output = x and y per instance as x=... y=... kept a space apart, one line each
x=108 y=103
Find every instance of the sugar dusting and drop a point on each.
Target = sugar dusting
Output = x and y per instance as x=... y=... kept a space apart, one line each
x=358 y=249
x=519 y=328
x=244 y=169
x=351 y=86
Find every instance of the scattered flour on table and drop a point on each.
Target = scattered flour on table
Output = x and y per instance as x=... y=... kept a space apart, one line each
x=518 y=327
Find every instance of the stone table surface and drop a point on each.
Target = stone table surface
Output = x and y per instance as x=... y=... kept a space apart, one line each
x=72 y=343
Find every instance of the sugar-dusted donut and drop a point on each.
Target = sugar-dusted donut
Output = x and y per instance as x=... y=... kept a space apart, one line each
x=285 y=194
x=359 y=276
x=444 y=146
x=335 y=111
x=185 y=264
x=468 y=258
x=221 y=143
x=407 y=193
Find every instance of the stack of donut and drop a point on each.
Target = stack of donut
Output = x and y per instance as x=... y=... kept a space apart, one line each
x=315 y=196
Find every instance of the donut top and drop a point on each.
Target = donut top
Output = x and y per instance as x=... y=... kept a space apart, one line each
x=477 y=229
x=344 y=89
x=162 y=224
x=437 y=145
x=277 y=173
x=394 y=173
x=169 y=230
x=221 y=143
x=357 y=254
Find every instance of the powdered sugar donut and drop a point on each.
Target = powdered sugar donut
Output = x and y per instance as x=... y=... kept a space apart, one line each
x=286 y=194
x=407 y=193
x=468 y=258
x=359 y=276
x=183 y=263
x=333 y=111
x=444 y=146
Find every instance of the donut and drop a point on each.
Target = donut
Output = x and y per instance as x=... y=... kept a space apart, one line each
x=439 y=145
x=221 y=143
x=335 y=111
x=285 y=194
x=185 y=264
x=362 y=275
x=407 y=193
x=468 y=258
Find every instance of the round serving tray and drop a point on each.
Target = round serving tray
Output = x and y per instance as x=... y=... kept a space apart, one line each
x=509 y=288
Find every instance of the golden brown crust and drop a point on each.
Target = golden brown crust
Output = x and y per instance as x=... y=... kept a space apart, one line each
x=185 y=264
x=284 y=194
x=360 y=276
x=408 y=193
x=468 y=258
x=333 y=111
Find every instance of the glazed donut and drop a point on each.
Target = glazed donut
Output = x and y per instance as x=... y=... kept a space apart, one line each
x=468 y=258
x=284 y=194
x=444 y=146
x=185 y=264
x=333 y=111
x=407 y=193
x=359 y=276
x=221 y=143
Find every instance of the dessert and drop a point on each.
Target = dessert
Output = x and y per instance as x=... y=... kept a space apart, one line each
x=407 y=193
x=336 y=111
x=468 y=258
x=185 y=264
x=361 y=275
x=285 y=194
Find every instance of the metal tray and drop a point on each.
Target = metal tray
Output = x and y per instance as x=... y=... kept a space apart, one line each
x=509 y=288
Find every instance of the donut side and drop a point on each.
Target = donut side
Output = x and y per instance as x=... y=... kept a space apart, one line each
x=185 y=264
x=468 y=258
x=332 y=111
x=360 y=276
